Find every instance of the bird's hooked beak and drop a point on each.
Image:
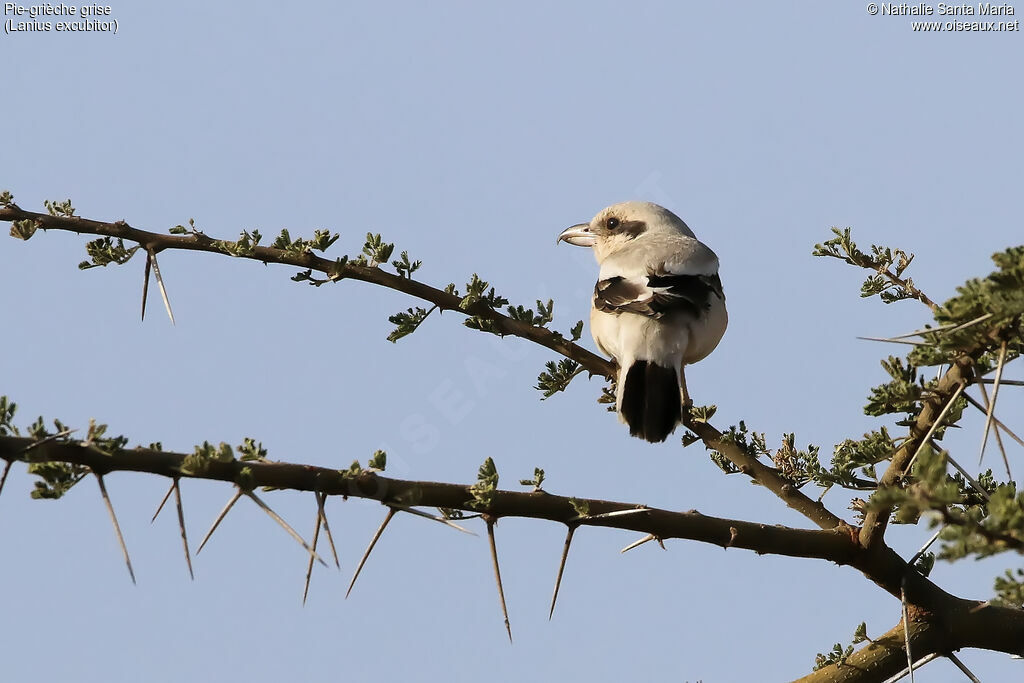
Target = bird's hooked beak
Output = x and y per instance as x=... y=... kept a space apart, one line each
x=579 y=235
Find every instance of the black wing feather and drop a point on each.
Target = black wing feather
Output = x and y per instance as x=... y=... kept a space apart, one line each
x=687 y=293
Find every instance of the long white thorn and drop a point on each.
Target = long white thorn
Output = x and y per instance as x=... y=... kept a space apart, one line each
x=167 y=497
x=996 y=420
x=284 y=525
x=561 y=568
x=436 y=518
x=992 y=404
x=1003 y=382
x=935 y=425
x=497 y=576
x=220 y=518
x=606 y=515
x=891 y=340
x=3 y=477
x=321 y=500
x=181 y=526
x=960 y=665
x=369 y=549
x=163 y=290
x=117 y=527
x=906 y=632
x=316 y=538
x=634 y=544
x=999 y=437
x=973 y=482
x=145 y=281
x=917 y=665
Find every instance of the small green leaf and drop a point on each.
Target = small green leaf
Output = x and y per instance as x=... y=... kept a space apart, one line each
x=538 y=479
x=378 y=461
x=251 y=450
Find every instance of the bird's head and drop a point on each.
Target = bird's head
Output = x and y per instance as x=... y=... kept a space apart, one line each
x=619 y=224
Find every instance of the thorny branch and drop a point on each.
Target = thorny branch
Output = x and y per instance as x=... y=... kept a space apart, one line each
x=595 y=365
x=940 y=622
x=762 y=538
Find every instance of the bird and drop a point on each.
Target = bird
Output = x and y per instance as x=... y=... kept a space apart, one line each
x=658 y=305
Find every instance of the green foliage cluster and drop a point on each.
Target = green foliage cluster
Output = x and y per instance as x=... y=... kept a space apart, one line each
x=984 y=314
x=556 y=376
x=408 y=321
x=107 y=250
x=889 y=264
x=855 y=457
x=538 y=479
x=838 y=654
x=979 y=325
x=797 y=466
x=321 y=241
x=486 y=485
x=1010 y=589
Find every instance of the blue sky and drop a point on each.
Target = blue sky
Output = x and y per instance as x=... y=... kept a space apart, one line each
x=470 y=134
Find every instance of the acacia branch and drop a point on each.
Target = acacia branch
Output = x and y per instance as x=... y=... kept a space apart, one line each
x=762 y=538
x=594 y=364
x=960 y=373
x=959 y=622
x=769 y=477
x=966 y=625
x=158 y=242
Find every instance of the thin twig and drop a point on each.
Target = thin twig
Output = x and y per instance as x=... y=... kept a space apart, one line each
x=497 y=574
x=369 y=549
x=561 y=567
x=284 y=525
x=117 y=527
x=181 y=525
x=220 y=517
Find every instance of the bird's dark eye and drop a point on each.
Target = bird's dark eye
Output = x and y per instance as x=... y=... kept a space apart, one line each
x=612 y=223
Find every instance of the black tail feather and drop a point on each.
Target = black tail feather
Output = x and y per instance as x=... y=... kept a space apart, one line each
x=651 y=403
x=634 y=396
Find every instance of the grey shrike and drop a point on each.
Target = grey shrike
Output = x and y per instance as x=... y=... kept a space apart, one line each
x=658 y=305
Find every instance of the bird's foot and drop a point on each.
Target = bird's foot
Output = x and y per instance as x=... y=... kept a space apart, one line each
x=687 y=407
